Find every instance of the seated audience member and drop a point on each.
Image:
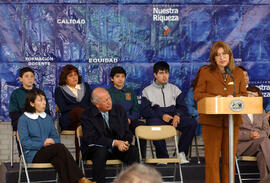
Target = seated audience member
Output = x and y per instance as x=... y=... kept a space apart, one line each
x=163 y=104
x=267 y=180
x=139 y=173
x=246 y=76
x=106 y=134
x=72 y=97
x=267 y=109
x=192 y=104
x=40 y=142
x=128 y=100
x=253 y=138
x=17 y=98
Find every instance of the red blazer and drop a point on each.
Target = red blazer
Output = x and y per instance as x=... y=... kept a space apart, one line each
x=210 y=84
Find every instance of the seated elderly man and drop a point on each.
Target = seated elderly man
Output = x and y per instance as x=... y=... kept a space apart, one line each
x=253 y=138
x=106 y=134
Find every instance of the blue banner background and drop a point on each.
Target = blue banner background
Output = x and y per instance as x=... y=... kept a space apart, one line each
x=96 y=35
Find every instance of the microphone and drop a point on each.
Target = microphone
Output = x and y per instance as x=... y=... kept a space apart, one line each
x=228 y=71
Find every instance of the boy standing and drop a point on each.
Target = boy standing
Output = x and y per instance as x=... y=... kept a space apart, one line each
x=17 y=98
x=128 y=100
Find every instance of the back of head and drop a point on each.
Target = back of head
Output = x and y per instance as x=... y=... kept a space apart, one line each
x=139 y=173
x=161 y=66
x=24 y=70
x=117 y=70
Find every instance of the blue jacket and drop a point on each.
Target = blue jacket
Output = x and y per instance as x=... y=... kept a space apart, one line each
x=192 y=109
x=158 y=100
x=66 y=103
x=267 y=107
x=33 y=130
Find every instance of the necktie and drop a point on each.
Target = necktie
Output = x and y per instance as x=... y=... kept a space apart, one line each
x=106 y=117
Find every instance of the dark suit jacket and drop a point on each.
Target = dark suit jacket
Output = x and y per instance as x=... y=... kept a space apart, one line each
x=211 y=84
x=94 y=131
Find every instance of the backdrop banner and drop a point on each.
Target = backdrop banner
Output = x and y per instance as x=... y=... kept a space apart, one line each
x=96 y=35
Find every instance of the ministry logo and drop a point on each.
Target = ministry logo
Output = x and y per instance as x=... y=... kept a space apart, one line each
x=237 y=105
x=167 y=30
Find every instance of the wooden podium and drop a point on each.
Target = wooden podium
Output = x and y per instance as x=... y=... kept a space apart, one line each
x=230 y=106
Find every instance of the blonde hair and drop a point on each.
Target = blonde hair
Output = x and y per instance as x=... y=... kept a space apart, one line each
x=213 y=54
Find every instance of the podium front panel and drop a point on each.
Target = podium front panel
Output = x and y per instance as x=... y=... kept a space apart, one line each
x=230 y=105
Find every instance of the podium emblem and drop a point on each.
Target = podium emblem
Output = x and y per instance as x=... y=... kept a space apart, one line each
x=237 y=105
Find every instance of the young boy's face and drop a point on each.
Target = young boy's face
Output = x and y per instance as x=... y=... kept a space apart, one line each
x=162 y=76
x=27 y=80
x=119 y=80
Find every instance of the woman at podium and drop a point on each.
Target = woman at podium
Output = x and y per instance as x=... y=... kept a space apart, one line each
x=215 y=81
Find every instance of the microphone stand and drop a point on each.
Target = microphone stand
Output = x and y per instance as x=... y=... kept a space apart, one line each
x=231 y=134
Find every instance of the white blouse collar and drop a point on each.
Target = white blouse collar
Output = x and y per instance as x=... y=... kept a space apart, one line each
x=77 y=87
x=35 y=115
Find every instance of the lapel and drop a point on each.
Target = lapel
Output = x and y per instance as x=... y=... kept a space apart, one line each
x=247 y=122
x=258 y=120
x=217 y=74
x=98 y=120
x=115 y=122
x=112 y=120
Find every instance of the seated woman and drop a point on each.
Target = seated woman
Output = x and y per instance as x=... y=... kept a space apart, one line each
x=41 y=143
x=72 y=97
x=254 y=138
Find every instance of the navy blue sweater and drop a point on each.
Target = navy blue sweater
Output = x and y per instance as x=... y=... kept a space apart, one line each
x=66 y=103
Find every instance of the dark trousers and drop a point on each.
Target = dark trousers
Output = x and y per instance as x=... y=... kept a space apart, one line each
x=187 y=126
x=132 y=126
x=99 y=156
x=74 y=116
x=59 y=156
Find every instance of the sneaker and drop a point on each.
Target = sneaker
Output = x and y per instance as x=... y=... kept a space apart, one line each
x=162 y=164
x=183 y=158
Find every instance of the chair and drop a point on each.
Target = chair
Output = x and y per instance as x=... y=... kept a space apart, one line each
x=196 y=149
x=27 y=166
x=63 y=132
x=169 y=145
x=82 y=162
x=247 y=175
x=159 y=133
x=12 y=139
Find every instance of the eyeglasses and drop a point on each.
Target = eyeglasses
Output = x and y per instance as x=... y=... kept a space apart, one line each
x=222 y=55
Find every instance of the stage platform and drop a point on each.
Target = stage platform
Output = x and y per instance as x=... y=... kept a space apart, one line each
x=192 y=172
